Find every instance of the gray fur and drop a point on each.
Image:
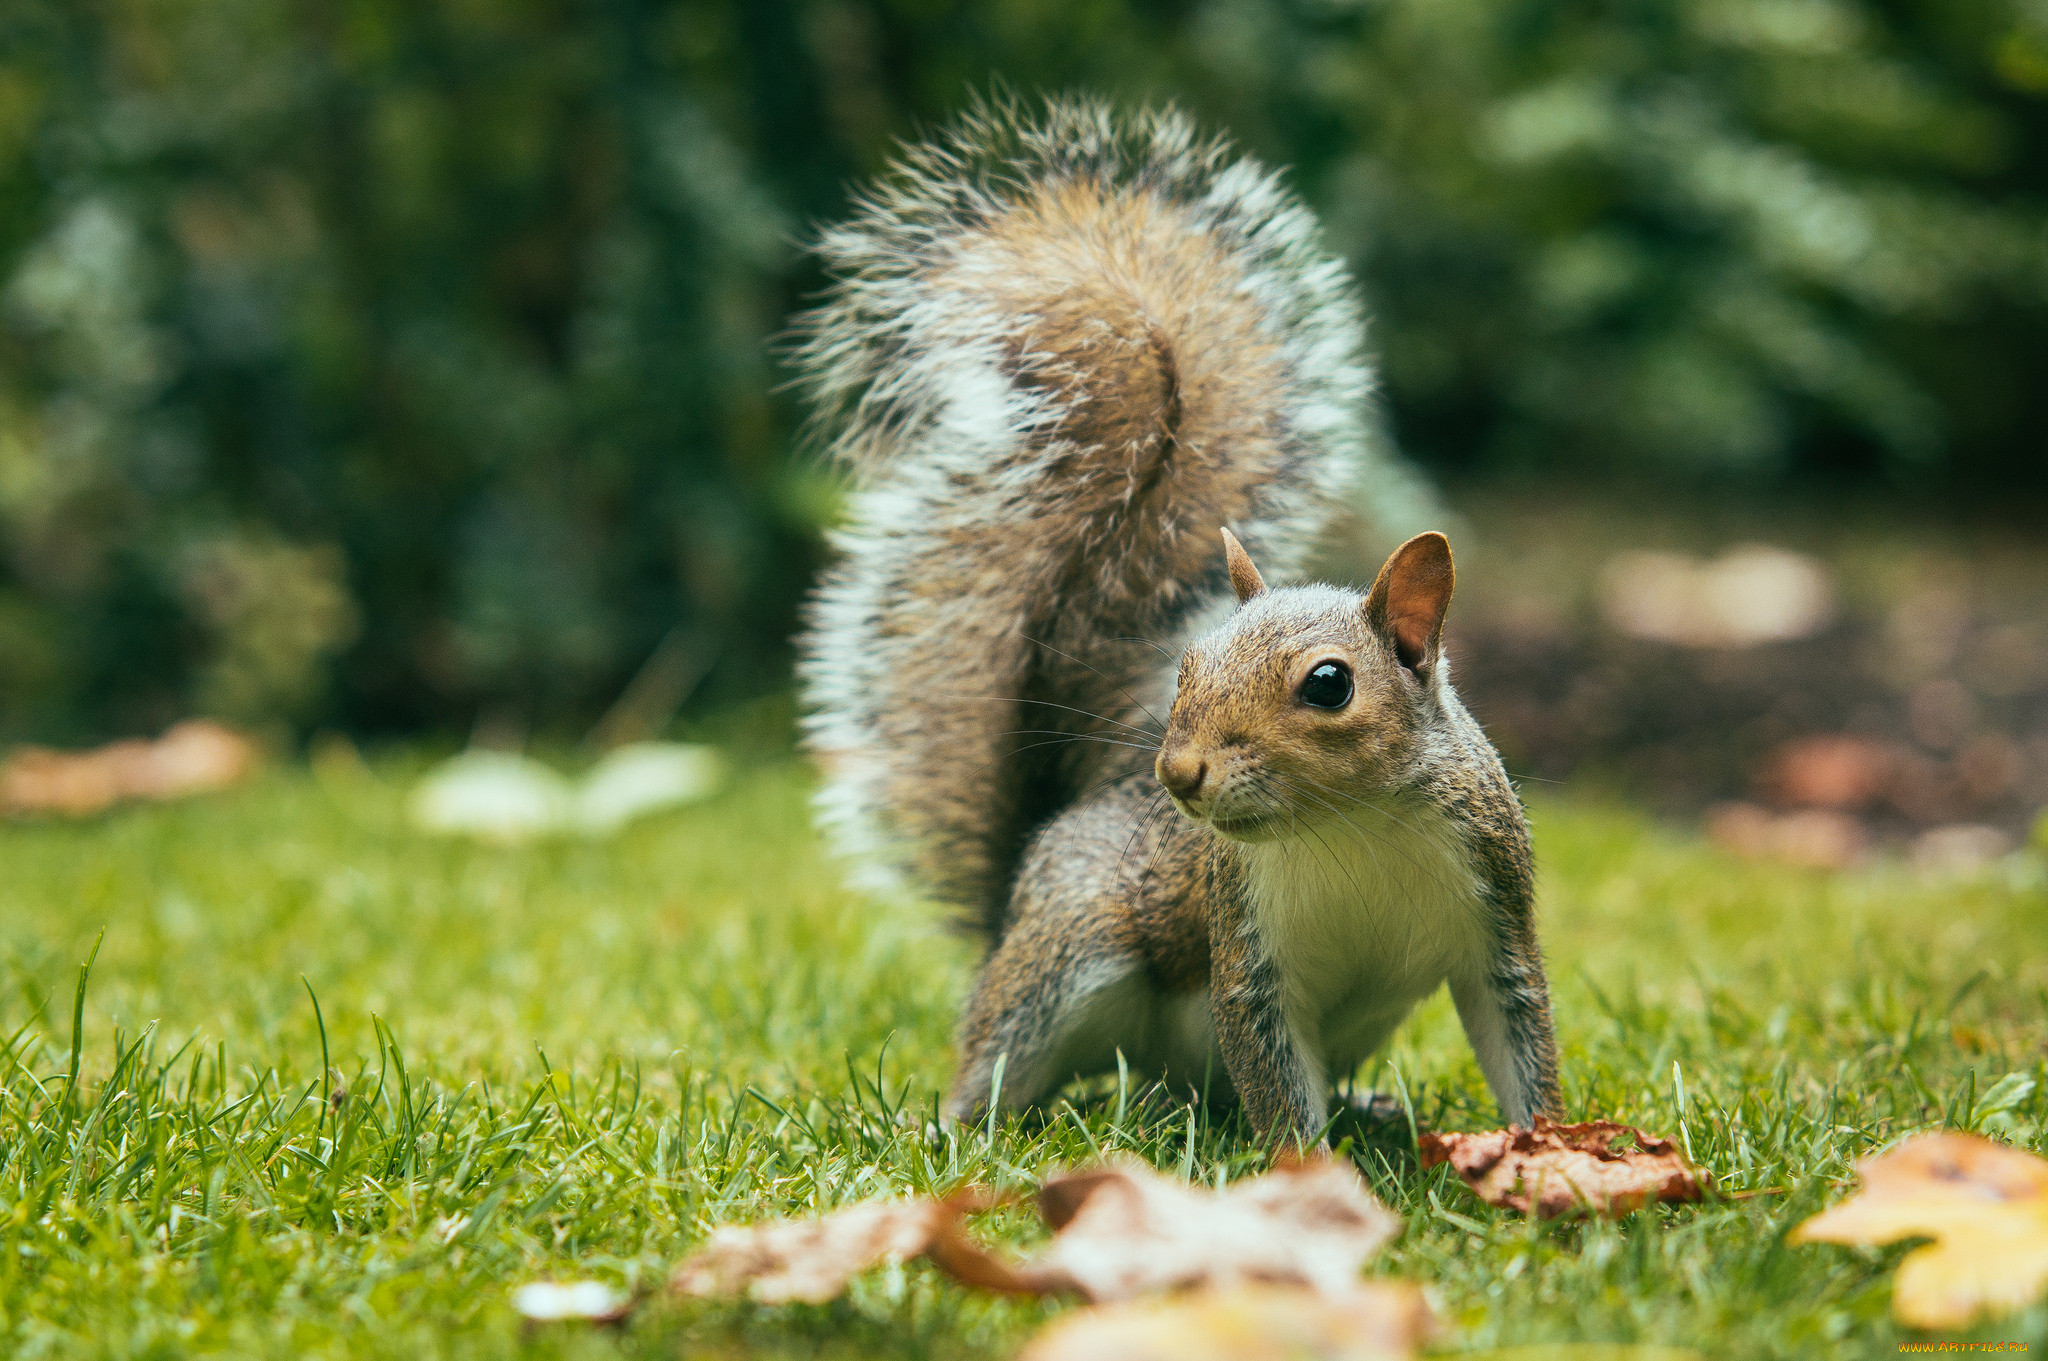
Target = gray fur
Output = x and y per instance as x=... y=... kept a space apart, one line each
x=1061 y=352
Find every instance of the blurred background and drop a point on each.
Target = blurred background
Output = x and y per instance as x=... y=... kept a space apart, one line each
x=400 y=368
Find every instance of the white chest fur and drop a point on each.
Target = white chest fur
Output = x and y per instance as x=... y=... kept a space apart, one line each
x=1365 y=918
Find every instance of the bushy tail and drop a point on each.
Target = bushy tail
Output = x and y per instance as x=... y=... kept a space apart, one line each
x=1060 y=353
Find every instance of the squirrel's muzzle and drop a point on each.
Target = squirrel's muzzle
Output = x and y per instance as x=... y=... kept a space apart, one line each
x=1182 y=772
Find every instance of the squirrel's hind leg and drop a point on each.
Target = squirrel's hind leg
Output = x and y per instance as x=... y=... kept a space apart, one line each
x=1047 y=1007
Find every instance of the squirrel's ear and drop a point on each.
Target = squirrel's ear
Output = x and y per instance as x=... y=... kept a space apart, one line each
x=1408 y=599
x=1244 y=578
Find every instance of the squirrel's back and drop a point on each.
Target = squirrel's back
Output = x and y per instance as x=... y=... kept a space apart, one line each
x=1059 y=352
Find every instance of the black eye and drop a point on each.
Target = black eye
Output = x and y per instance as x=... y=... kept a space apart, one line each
x=1327 y=687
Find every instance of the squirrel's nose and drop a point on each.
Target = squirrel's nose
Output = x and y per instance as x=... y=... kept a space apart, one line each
x=1182 y=773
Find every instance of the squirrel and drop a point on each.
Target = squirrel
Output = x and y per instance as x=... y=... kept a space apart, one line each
x=1060 y=351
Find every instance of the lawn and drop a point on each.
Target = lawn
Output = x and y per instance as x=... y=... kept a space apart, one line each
x=571 y=1059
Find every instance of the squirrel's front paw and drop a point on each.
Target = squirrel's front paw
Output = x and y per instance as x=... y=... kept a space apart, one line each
x=1369 y=1117
x=1376 y=1108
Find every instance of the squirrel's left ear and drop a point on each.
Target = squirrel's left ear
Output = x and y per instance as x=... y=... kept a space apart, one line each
x=1244 y=578
x=1408 y=599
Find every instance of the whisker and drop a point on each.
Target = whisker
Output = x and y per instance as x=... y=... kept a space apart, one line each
x=1367 y=837
x=1153 y=807
x=983 y=767
x=1133 y=638
x=1267 y=778
x=1074 y=737
x=1391 y=816
x=1363 y=802
x=1381 y=940
x=1338 y=861
x=1062 y=741
x=1050 y=704
x=1078 y=662
x=1092 y=790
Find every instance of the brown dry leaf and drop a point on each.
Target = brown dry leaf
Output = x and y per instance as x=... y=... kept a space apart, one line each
x=1554 y=1168
x=1371 y=1321
x=1838 y=771
x=812 y=1260
x=191 y=758
x=1986 y=1207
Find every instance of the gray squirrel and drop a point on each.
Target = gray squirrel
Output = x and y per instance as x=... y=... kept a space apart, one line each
x=1084 y=369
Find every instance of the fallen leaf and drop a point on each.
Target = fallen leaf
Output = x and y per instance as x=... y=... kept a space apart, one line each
x=492 y=794
x=1958 y=851
x=1128 y=1231
x=191 y=758
x=1554 y=1168
x=643 y=778
x=1751 y=594
x=550 y=1301
x=1984 y=1204
x=813 y=1260
x=1815 y=837
x=1371 y=1321
x=500 y=796
x=1840 y=771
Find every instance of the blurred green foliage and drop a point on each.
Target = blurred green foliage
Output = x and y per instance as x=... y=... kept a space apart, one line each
x=384 y=362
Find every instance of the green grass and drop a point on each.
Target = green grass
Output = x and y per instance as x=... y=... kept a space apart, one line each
x=571 y=1059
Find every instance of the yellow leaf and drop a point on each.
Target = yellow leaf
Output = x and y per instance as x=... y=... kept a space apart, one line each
x=1984 y=1205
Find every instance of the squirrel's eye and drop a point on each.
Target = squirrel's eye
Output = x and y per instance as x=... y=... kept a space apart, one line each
x=1327 y=687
